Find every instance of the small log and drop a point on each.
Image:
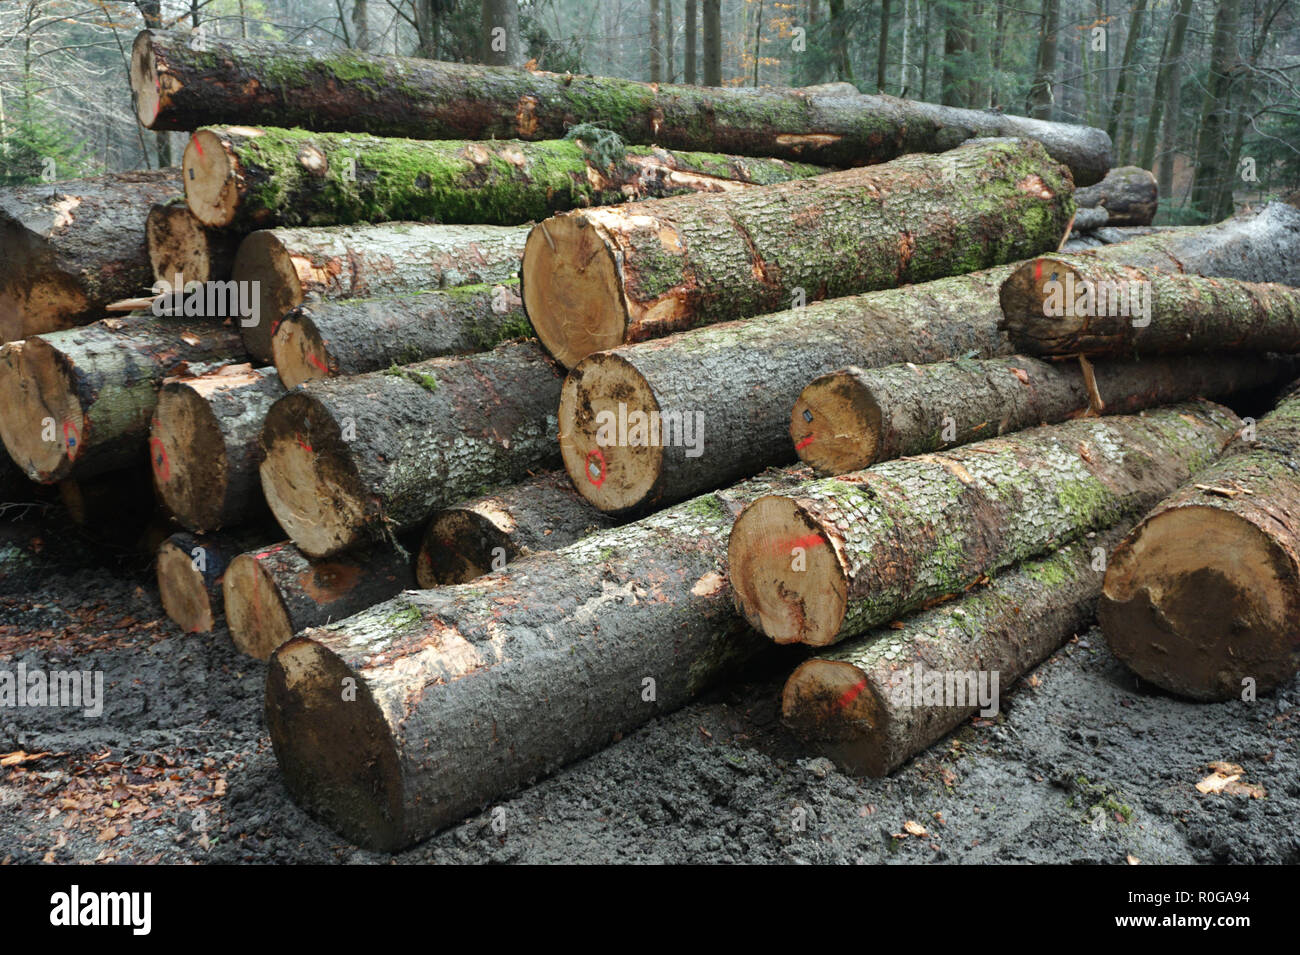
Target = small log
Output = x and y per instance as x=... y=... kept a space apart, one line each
x=179 y=245
x=1129 y=195
x=191 y=570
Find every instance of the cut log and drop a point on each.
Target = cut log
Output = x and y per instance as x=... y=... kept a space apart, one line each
x=482 y=535
x=80 y=400
x=191 y=569
x=204 y=445
x=594 y=279
x=350 y=460
x=1128 y=195
x=853 y=418
x=872 y=703
x=1086 y=220
x=466 y=693
x=359 y=261
x=1203 y=598
x=838 y=556
x=179 y=245
x=254 y=178
x=262 y=83
x=1068 y=306
x=353 y=336
x=68 y=249
x=273 y=592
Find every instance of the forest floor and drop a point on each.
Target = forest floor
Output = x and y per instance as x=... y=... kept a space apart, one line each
x=1082 y=765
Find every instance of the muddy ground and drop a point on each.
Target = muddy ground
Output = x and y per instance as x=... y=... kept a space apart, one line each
x=1083 y=765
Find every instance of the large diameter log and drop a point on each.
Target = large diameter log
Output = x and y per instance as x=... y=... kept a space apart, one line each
x=874 y=702
x=595 y=279
x=276 y=591
x=180 y=246
x=365 y=260
x=854 y=417
x=70 y=248
x=354 y=459
x=251 y=178
x=256 y=82
x=465 y=693
x=1128 y=196
x=354 y=336
x=1203 y=598
x=81 y=400
x=191 y=572
x=204 y=445
x=838 y=556
x=478 y=536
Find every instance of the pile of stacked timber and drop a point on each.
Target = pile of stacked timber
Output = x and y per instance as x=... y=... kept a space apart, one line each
x=503 y=400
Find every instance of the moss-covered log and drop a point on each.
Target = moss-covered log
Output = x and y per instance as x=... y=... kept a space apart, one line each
x=67 y=249
x=204 y=445
x=354 y=459
x=233 y=81
x=465 y=693
x=191 y=572
x=254 y=178
x=1128 y=196
x=874 y=702
x=478 y=536
x=853 y=418
x=80 y=400
x=1203 y=598
x=179 y=245
x=353 y=336
x=838 y=556
x=275 y=591
x=595 y=279
x=290 y=265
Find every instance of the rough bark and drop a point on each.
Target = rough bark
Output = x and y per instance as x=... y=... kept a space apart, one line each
x=482 y=535
x=276 y=591
x=204 y=448
x=1212 y=153
x=262 y=83
x=712 y=30
x=191 y=570
x=1114 y=235
x=838 y=556
x=254 y=178
x=853 y=418
x=1203 y=598
x=180 y=245
x=354 y=459
x=69 y=248
x=292 y=265
x=80 y=400
x=466 y=693
x=594 y=279
x=1086 y=220
x=1129 y=195
x=1040 y=94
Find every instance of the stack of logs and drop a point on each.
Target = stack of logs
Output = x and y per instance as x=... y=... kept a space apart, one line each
x=519 y=390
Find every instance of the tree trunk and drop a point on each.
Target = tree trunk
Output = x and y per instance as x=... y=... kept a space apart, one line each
x=180 y=246
x=360 y=25
x=275 y=591
x=364 y=261
x=1121 y=103
x=502 y=37
x=656 y=48
x=352 y=459
x=882 y=47
x=644 y=270
x=204 y=448
x=836 y=557
x=691 y=30
x=1040 y=93
x=191 y=570
x=955 y=79
x=840 y=43
x=853 y=418
x=352 y=92
x=254 y=178
x=1213 y=621
x=1213 y=134
x=712 y=42
x=1128 y=195
x=1164 y=101
x=482 y=535
x=69 y=249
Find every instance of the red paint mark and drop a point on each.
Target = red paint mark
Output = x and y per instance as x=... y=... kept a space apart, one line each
x=158 y=454
x=311 y=358
x=303 y=444
x=807 y=541
x=265 y=553
x=851 y=694
x=599 y=455
x=804 y=443
x=195 y=140
x=71 y=440
x=1038 y=270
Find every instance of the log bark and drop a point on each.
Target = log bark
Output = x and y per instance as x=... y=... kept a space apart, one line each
x=179 y=245
x=80 y=400
x=853 y=418
x=276 y=591
x=1129 y=195
x=70 y=248
x=290 y=265
x=1086 y=220
x=1111 y=235
x=1060 y=306
x=482 y=535
x=466 y=693
x=1203 y=598
x=191 y=570
x=249 y=178
x=354 y=336
x=204 y=447
x=256 y=82
x=864 y=703
x=595 y=279
x=838 y=556
x=353 y=459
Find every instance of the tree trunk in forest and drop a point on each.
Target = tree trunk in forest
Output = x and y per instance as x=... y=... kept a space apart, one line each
x=191 y=571
x=1121 y=103
x=834 y=558
x=502 y=39
x=840 y=43
x=1040 y=93
x=360 y=25
x=1213 y=136
x=1128 y=195
x=882 y=48
x=179 y=245
x=1213 y=622
x=670 y=74
x=350 y=460
x=712 y=42
x=691 y=31
x=1164 y=101
x=594 y=279
x=956 y=71
x=656 y=48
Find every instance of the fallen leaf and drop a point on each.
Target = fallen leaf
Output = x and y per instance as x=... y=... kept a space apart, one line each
x=1131 y=859
x=915 y=828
